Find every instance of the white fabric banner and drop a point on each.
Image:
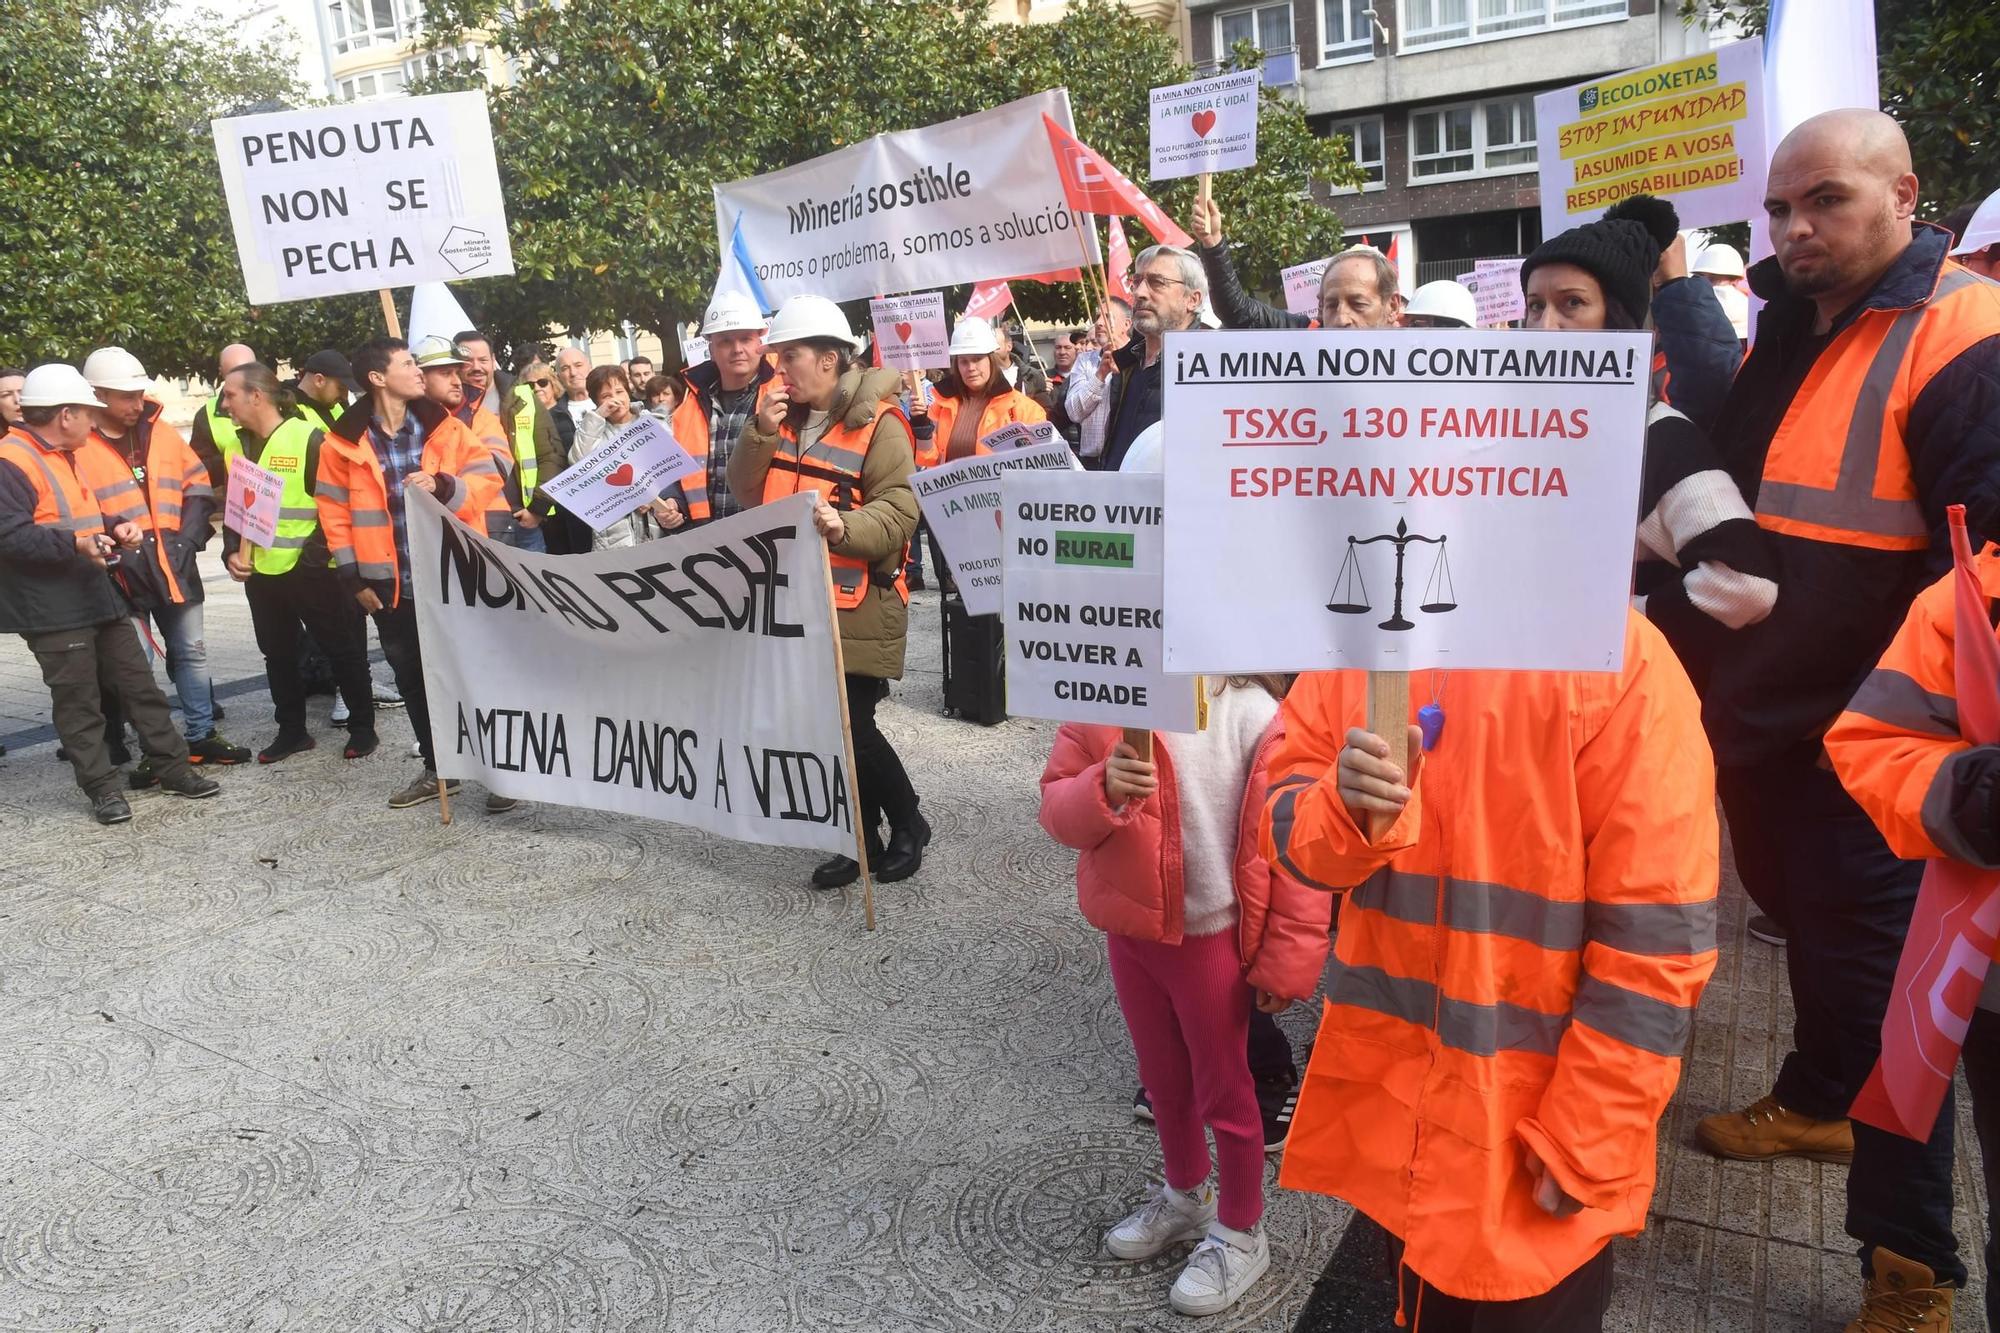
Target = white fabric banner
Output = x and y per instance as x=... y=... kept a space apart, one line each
x=1387 y=502
x=961 y=502
x=1207 y=125
x=1691 y=131
x=362 y=196
x=628 y=470
x=1084 y=569
x=969 y=199
x=692 y=679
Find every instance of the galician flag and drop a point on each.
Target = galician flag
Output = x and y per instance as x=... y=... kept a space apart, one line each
x=739 y=273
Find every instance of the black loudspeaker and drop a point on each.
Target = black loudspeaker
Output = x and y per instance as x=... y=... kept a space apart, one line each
x=975 y=665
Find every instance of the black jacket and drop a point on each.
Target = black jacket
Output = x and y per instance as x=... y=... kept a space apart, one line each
x=1236 y=308
x=44 y=584
x=1788 y=677
x=1700 y=346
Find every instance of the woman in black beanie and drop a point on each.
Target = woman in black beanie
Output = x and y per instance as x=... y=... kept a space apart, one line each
x=1704 y=566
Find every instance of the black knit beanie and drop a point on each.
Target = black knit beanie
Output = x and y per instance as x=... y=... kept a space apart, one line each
x=1620 y=250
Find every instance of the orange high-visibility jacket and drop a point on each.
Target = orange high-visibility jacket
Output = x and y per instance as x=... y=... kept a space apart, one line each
x=1002 y=409
x=62 y=500
x=690 y=427
x=1838 y=469
x=173 y=474
x=1517 y=962
x=353 y=497
x=1897 y=748
x=492 y=436
x=833 y=468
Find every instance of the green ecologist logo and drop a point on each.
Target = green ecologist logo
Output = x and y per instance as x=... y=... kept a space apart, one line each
x=1586 y=101
x=1111 y=550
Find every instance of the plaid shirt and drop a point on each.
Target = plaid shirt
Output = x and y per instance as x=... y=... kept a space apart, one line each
x=728 y=414
x=399 y=455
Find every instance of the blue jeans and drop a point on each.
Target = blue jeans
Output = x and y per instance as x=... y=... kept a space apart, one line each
x=513 y=534
x=187 y=666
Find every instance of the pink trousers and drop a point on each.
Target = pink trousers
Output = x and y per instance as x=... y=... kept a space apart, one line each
x=1188 y=1009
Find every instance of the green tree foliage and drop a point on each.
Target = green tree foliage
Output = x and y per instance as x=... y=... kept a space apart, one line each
x=625 y=112
x=1939 y=64
x=112 y=218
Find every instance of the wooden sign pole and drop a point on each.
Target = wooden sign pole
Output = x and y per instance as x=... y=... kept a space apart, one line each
x=1389 y=718
x=1140 y=739
x=847 y=749
x=1206 y=177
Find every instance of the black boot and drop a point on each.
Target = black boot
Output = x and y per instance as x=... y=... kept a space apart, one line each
x=905 y=855
x=842 y=871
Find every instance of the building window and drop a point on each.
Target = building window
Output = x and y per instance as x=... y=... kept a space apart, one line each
x=1477 y=139
x=1364 y=145
x=1345 y=31
x=1429 y=23
x=437 y=62
x=1267 y=27
x=362 y=87
x=357 y=24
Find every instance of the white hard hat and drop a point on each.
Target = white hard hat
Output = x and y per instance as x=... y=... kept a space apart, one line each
x=1983 y=230
x=732 y=312
x=1445 y=299
x=116 y=369
x=1720 y=260
x=803 y=317
x=437 y=350
x=58 y=385
x=973 y=337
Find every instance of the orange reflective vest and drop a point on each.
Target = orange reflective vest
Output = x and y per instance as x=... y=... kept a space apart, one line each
x=1897 y=744
x=172 y=473
x=690 y=427
x=1003 y=409
x=62 y=499
x=492 y=435
x=1518 y=959
x=832 y=467
x=1838 y=469
x=353 y=497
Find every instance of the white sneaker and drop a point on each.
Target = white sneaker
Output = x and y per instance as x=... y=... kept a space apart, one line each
x=338 y=717
x=386 y=695
x=1167 y=1218
x=1221 y=1269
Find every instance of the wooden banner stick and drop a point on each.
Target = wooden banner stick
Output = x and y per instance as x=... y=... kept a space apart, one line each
x=1205 y=185
x=1024 y=331
x=1140 y=739
x=395 y=325
x=847 y=748
x=1389 y=718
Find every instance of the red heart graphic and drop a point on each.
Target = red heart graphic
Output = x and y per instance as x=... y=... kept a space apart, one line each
x=1204 y=121
x=996 y=519
x=620 y=475
x=249 y=497
x=903 y=332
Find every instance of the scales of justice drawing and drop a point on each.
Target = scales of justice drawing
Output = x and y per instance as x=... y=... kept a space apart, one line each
x=1350 y=590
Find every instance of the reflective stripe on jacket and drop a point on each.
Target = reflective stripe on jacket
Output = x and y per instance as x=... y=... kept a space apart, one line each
x=691 y=427
x=286 y=454
x=1518 y=961
x=173 y=476
x=1002 y=409
x=833 y=468
x=488 y=430
x=62 y=500
x=1838 y=469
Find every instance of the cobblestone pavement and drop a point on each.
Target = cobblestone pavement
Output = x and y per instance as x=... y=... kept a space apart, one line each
x=291 y=1060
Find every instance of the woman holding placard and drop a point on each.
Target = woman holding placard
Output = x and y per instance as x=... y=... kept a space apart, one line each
x=833 y=428
x=611 y=396
x=974 y=400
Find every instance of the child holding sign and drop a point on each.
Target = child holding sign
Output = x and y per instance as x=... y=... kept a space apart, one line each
x=1199 y=922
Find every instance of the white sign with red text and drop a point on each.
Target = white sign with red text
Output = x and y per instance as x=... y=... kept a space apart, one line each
x=628 y=470
x=1377 y=501
x=910 y=332
x=961 y=502
x=1495 y=285
x=256 y=497
x=1207 y=125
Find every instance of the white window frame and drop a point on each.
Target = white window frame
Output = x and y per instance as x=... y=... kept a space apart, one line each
x=345 y=40
x=1480 y=147
x=1350 y=129
x=1222 y=48
x=1353 y=48
x=426 y=63
x=1546 y=16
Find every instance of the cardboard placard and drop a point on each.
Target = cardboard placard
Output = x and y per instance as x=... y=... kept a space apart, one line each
x=1207 y=125
x=255 y=502
x=910 y=331
x=625 y=472
x=961 y=502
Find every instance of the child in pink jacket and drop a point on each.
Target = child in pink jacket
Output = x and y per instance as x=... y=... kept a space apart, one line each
x=1170 y=866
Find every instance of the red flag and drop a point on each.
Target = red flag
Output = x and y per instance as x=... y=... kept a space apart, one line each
x=1093 y=185
x=989 y=300
x=1956 y=928
x=1118 y=262
x=1053 y=275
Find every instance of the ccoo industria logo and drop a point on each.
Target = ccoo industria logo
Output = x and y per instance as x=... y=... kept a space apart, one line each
x=1586 y=101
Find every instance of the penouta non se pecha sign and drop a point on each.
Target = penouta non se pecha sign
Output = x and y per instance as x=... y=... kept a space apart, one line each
x=364 y=196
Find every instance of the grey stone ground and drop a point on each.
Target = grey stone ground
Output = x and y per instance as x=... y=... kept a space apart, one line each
x=290 y=1060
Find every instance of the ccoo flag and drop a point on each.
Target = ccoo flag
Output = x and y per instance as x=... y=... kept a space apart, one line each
x=1093 y=185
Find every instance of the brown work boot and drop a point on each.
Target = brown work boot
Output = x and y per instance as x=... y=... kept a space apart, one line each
x=1902 y=1296
x=1764 y=1130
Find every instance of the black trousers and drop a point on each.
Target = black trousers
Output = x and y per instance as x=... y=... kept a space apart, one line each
x=1576 y=1304
x=397 y=628
x=1270 y=1051
x=1981 y=1063
x=884 y=786
x=81 y=667
x=312 y=599
x=1813 y=860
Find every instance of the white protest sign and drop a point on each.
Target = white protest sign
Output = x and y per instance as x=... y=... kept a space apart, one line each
x=364 y=195
x=910 y=331
x=1302 y=286
x=1018 y=435
x=973 y=198
x=961 y=502
x=628 y=470
x=694 y=350
x=1207 y=125
x=1457 y=500
x=1084 y=568
x=1495 y=285
x=256 y=498
x=1691 y=131
x=690 y=679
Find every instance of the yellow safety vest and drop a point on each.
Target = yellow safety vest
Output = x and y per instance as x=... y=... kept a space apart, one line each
x=298 y=516
x=521 y=426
